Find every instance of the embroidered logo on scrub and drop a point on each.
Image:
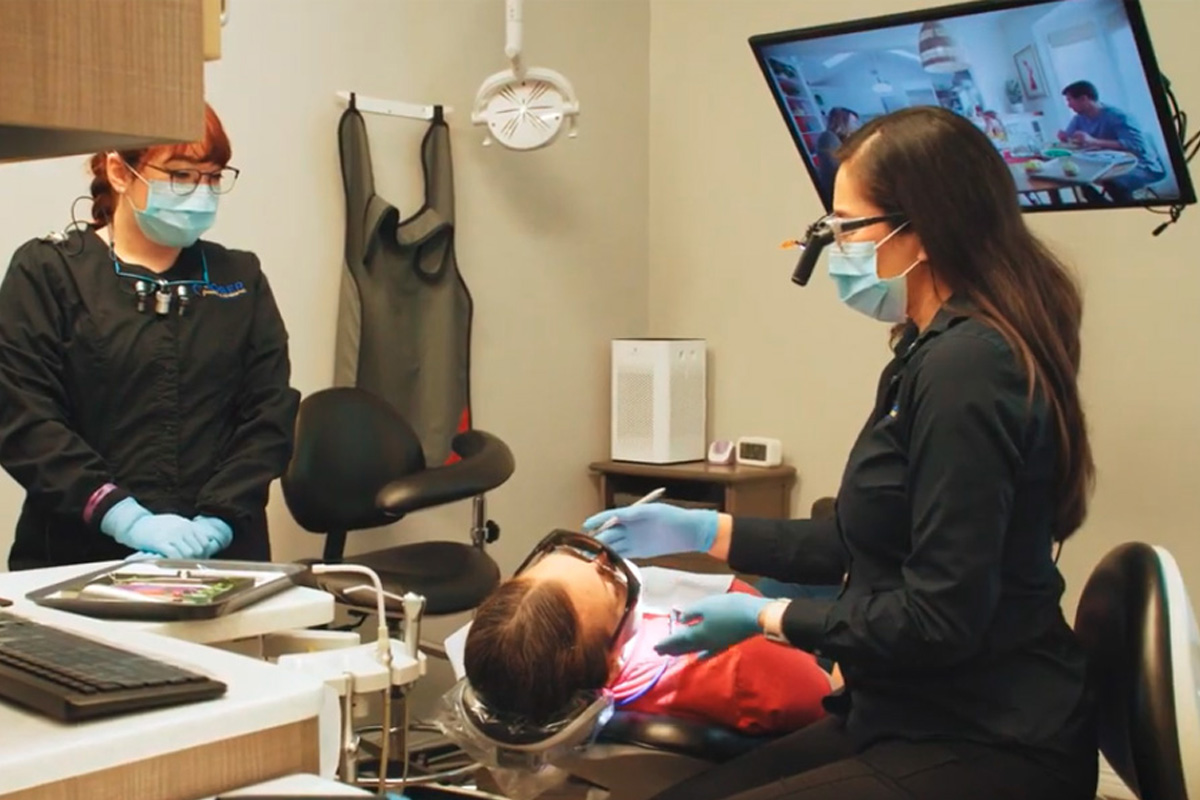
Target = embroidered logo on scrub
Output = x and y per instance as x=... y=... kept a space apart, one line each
x=225 y=292
x=895 y=411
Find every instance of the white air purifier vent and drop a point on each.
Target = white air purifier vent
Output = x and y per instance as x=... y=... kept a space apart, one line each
x=635 y=412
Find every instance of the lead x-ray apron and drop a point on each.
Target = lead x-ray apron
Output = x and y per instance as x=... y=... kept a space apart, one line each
x=404 y=314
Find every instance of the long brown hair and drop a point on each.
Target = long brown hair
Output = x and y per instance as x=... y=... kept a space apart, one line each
x=214 y=148
x=959 y=196
x=528 y=653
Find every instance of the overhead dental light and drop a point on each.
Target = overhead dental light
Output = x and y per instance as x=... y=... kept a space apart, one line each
x=524 y=108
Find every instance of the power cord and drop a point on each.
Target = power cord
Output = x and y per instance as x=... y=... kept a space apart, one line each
x=62 y=237
x=1190 y=147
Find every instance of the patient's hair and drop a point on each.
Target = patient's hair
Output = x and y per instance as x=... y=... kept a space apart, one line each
x=527 y=652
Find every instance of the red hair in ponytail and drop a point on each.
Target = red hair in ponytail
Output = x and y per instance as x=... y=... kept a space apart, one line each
x=214 y=148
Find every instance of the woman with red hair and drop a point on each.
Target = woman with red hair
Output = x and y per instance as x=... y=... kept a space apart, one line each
x=145 y=403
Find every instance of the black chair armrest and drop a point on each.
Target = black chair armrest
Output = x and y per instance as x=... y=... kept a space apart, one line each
x=672 y=734
x=485 y=463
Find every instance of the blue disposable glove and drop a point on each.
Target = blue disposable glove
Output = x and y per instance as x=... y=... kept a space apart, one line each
x=216 y=531
x=121 y=517
x=721 y=621
x=167 y=535
x=656 y=529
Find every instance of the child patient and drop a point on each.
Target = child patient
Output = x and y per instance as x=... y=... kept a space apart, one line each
x=564 y=623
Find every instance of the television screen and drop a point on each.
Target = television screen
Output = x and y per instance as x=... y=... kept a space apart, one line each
x=1068 y=90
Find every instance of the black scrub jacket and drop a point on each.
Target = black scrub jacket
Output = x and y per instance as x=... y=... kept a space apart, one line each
x=948 y=624
x=188 y=414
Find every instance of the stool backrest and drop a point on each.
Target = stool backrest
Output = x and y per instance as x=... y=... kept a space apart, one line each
x=349 y=445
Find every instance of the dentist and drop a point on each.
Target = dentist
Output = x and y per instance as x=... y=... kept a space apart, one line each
x=144 y=376
x=962 y=677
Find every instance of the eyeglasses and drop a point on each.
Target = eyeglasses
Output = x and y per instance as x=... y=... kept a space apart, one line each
x=593 y=551
x=185 y=180
x=840 y=227
x=830 y=229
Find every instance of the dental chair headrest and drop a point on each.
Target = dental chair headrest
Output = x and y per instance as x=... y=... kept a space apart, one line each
x=574 y=722
x=498 y=739
x=523 y=756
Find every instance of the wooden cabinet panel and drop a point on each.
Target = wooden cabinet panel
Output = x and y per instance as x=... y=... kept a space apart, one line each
x=78 y=76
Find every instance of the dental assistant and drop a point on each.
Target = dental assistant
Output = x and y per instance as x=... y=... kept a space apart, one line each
x=145 y=403
x=962 y=677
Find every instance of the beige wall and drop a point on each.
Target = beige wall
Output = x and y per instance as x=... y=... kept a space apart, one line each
x=552 y=243
x=727 y=186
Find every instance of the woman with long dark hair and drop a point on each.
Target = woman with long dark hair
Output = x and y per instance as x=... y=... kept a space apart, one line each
x=962 y=677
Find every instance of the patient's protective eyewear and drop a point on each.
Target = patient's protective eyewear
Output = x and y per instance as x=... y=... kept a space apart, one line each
x=587 y=548
x=830 y=229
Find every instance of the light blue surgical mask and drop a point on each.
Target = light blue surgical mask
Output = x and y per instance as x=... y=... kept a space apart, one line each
x=175 y=220
x=854 y=268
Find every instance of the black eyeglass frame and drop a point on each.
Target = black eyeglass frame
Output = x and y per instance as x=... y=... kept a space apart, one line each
x=824 y=232
x=200 y=175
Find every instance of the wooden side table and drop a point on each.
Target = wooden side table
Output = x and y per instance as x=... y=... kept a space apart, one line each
x=735 y=489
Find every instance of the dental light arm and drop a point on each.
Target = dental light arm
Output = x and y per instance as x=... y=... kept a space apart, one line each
x=512 y=35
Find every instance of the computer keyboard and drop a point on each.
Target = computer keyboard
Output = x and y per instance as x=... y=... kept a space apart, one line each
x=70 y=677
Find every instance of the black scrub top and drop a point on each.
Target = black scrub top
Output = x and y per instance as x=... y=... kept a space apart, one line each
x=948 y=624
x=188 y=414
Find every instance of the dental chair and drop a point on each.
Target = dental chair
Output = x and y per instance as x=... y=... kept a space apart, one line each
x=1135 y=621
x=1139 y=628
x=639 y=755
x=357 y=464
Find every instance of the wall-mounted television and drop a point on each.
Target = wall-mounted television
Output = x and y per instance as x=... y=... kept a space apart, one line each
x=1068 y=90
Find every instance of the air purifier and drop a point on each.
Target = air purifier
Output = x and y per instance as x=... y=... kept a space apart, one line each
x=659 y=400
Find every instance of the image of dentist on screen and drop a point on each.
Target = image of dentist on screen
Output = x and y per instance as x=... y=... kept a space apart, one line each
x=145 y=403
x=962 y=677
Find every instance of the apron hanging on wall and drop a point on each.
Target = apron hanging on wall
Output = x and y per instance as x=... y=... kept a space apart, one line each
x=404 y=312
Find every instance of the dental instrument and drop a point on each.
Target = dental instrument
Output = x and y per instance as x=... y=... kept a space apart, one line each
x=649 y=498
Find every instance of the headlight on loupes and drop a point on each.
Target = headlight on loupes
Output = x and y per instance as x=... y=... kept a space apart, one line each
x=818 y=236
